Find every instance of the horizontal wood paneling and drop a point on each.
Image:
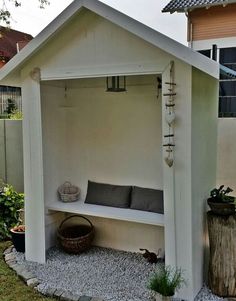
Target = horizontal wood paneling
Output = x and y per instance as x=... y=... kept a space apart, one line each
x=215 y=22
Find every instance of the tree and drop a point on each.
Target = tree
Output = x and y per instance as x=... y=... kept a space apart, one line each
x=5 y=14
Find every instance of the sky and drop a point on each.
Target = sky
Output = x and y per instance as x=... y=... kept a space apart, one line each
x=31 y=19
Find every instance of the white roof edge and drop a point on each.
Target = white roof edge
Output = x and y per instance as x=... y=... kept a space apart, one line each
x=148 y=34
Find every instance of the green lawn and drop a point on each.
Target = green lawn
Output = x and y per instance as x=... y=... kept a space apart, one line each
x=11 y=287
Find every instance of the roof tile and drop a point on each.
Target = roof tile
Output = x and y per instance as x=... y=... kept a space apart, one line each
x=185 y=5
x=9 y=39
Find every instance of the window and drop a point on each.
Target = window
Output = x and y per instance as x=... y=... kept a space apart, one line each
x=206 y=52
x=227 y=93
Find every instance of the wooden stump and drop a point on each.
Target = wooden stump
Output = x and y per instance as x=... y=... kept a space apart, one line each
x=222 y=261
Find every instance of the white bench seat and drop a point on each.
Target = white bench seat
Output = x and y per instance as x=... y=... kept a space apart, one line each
x=130 y=215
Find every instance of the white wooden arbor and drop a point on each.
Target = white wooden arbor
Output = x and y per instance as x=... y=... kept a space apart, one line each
x=68 y=117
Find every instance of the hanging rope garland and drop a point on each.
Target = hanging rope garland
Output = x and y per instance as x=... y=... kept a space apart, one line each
x=170 y=116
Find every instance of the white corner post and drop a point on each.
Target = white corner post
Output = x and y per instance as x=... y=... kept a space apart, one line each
x=33 y=167
x=168 y=180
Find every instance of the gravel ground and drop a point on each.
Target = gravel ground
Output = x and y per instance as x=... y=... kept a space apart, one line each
x=206 y=295
x=106 y=273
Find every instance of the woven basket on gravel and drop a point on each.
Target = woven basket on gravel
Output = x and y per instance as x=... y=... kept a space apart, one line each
x=75 y=238
x=68 y=192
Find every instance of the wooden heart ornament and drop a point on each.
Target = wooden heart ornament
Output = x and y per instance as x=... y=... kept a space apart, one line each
x=169 y=161
x=170 y=117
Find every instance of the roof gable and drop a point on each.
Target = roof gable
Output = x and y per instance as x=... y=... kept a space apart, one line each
x=183 y=5
x=151 y=36
x=87 y=47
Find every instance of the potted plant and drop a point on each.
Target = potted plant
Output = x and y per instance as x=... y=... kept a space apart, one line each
x=165 y=282
x=11 y=203
x=18 y=233
x=220 y=202
x=18 y=237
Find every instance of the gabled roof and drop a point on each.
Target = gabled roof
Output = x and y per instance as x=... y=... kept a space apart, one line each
x=186 y=5
x=9 y=38
x=146 y=33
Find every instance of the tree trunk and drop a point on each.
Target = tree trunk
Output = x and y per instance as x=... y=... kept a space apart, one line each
x=222 y=261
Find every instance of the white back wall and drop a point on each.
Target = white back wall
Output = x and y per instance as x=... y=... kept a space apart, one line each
x=116 y=137
x=91 y=134
x=55 y=155
x=226 y=163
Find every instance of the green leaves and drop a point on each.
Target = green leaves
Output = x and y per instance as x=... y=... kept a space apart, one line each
x=5 y=14
x=10 y=204
x=166 y=281
x=220 y=195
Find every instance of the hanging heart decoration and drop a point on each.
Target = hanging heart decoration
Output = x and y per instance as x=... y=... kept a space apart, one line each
x=169 y=161
x=170 y=117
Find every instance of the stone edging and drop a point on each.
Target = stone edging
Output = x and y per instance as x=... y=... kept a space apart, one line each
x=32 y=281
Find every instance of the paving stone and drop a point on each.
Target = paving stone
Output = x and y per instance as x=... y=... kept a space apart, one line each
x=10 y=262
x=68 y=296
x=13 y=266
x=85 y=298
x=10 y=256
x=25 y=275
x=32 y=282
x=50 y=291
x=58 y=292
x=8 y=250
x=18 y=268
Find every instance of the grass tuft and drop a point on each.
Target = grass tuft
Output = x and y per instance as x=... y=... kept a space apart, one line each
x=166 y=281
x=11 y=287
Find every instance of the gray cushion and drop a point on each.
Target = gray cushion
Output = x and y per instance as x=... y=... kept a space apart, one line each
x=147 y=199
x=108 y=195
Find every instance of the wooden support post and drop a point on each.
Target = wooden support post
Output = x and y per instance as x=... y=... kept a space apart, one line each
x=222 y=264
x=33 y=168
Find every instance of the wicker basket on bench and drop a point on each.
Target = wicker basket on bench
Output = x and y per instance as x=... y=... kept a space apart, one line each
x=68 y=192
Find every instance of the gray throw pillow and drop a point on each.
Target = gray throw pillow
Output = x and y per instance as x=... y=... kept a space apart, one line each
x=108 y=195
x=147 y=199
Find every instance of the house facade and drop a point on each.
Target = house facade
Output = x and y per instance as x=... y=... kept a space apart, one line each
x=160 y=132
x=212 y=32
x=11 y=42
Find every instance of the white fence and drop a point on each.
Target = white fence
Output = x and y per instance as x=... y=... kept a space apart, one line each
x=11 y=153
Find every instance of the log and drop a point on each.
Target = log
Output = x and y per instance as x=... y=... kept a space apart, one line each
x=222 y=261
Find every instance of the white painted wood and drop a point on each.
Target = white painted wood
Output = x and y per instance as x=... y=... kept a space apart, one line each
x=203 y=161
x=130 y=215
x=88 y=57
x=169 y=182
x=103 y=137
x=140 y=30
x=207 y=44
x=183 y=175
x=102 y=71
x=89 y=134
x=33 y=171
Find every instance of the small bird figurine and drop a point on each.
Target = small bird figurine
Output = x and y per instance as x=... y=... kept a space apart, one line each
x=151 y=257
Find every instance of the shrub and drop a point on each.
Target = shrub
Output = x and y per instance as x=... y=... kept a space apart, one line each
x=166 y=281
x=10 y=204
x=16 y=115
x=11 y=106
